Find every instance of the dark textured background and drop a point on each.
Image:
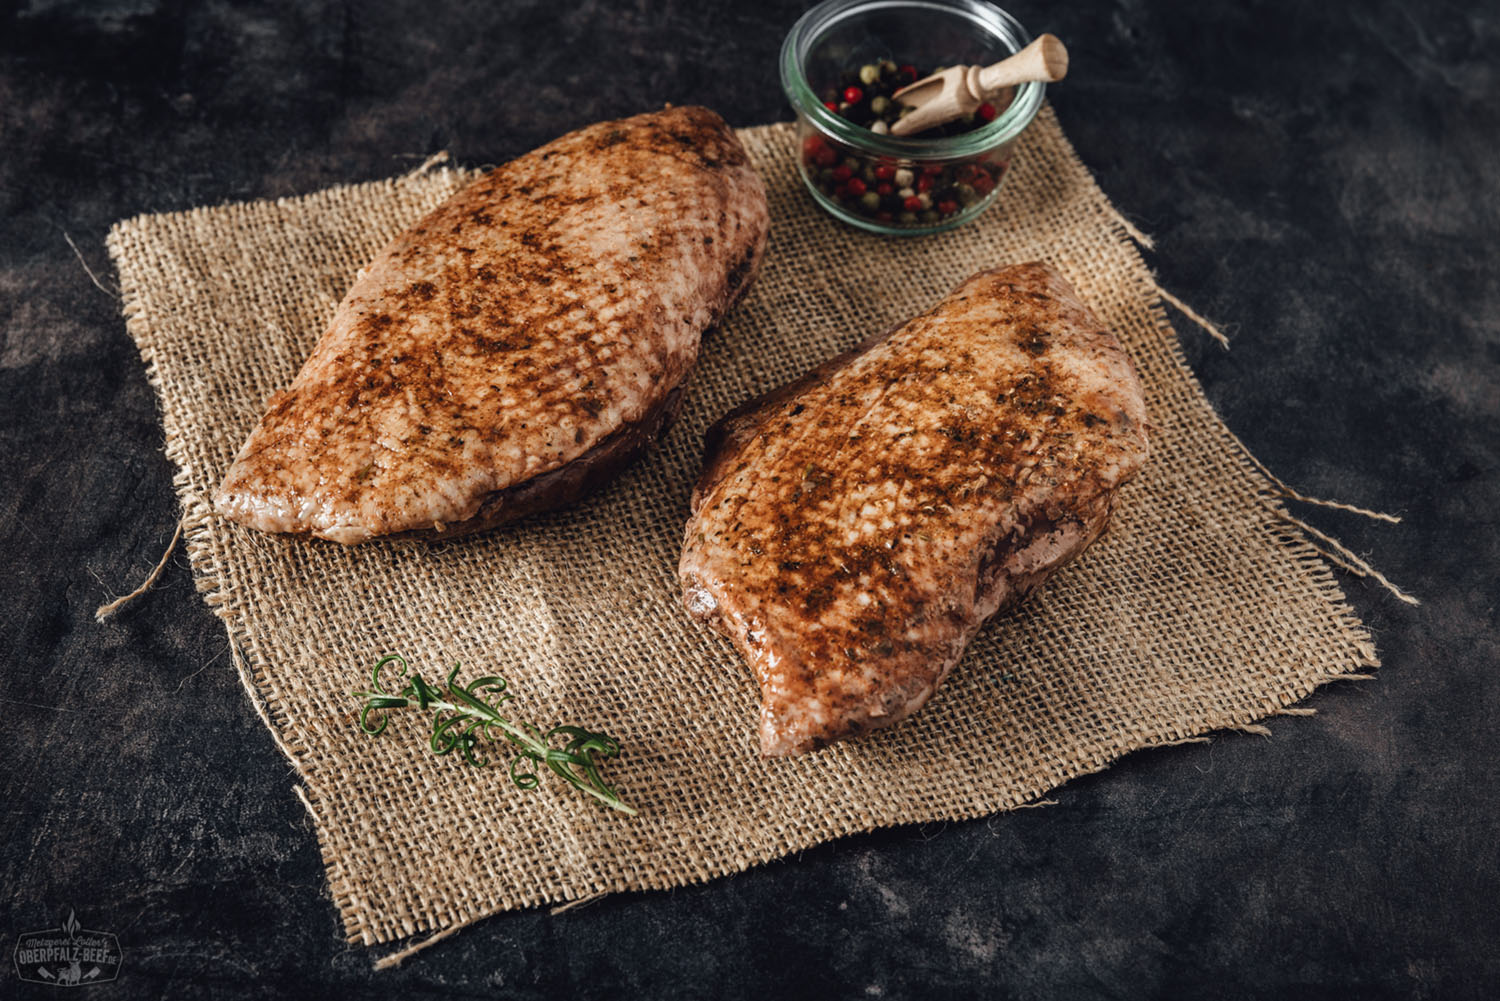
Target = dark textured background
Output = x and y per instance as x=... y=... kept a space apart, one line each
x=1320 y=178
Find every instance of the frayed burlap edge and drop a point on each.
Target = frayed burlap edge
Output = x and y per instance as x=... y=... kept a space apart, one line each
x=203 y=549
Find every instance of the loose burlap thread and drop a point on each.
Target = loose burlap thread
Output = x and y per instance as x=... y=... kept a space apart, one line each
x=1203 y=607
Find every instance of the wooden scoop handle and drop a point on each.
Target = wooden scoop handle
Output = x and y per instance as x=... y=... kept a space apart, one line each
x=1045 y=60
x=960 y=90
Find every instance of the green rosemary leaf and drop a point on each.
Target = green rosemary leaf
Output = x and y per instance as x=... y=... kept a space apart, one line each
x=463 y=715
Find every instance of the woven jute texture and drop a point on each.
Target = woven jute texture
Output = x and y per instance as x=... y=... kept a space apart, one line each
x=1201 y=608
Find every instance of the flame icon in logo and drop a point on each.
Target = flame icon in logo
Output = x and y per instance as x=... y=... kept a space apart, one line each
x=67 y=956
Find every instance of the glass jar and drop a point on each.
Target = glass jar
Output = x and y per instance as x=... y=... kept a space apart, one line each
x=953 y=178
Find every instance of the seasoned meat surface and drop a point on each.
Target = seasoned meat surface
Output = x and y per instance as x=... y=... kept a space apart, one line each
x=517 y=346
x=851 y=532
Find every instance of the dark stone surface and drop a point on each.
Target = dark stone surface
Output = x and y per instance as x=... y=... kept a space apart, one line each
x=1320 y=179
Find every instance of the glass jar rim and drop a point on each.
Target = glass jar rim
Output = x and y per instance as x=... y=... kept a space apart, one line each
x=811 y=25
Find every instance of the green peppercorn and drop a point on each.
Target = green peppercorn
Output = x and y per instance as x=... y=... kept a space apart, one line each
x=907 y=218
x=930 y=217
x=880 y=105
x=868 y=74
x=870 y=200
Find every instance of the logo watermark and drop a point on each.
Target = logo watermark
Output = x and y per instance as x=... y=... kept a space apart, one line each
x=70 y=956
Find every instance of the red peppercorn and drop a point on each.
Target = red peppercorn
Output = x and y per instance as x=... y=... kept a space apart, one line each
x=984 y=184
x=826 y=157
x=884 y=172
x=909 y=73
x=842 y=173
x=839 y=191
x=932 y=169
x=912 y=204
x=853 y=95
x=925 y=182
x=855 y=187
x=885 y=216
x=986 y=112
x=882 y=189
x=947 y=207
x=831 y=106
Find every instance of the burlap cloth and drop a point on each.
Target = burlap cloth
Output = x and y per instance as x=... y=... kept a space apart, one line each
x=1202 y=607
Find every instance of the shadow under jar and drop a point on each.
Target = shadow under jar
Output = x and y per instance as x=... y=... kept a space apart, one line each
x=899 y=186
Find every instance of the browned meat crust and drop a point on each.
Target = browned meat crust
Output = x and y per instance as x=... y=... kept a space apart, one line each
x=519 y=345
x=851 y=532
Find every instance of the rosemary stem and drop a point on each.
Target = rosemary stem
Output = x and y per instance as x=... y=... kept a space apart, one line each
x=517 y=735
x=575 y=763
x=613 y=802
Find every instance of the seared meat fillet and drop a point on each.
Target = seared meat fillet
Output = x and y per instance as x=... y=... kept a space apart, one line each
x=852 y=531
x=519 y=345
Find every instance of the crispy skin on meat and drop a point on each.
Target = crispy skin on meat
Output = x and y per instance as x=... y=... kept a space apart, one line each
x=519 y=345
x=851 y=532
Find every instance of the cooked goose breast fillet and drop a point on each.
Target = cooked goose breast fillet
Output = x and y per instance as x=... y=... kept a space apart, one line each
x=852 y=531
x=518 y=345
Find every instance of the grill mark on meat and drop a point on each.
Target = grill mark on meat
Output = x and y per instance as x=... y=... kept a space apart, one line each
x=549 y=307
x=852 y=531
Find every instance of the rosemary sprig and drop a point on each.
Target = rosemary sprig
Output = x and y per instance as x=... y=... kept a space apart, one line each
x=466 y=713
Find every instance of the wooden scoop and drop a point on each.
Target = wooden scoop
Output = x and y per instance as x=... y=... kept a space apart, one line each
x=959 y=90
